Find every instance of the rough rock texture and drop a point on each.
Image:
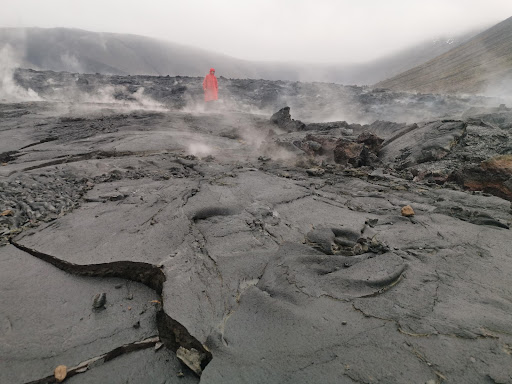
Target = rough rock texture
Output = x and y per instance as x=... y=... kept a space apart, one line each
x=310 y=102
x=493 y=175
x=248 y=251
x=283 y=120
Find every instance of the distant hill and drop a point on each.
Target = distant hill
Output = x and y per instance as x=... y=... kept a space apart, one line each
x=74 y=50
x=481 y=65
x=398 y=62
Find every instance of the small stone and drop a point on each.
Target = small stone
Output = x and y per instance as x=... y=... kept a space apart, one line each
x=180 y=374
x=315 y=171
x=192 y=358
x=129 y=297
x=343 y=323
x=7 y=212
x=358 y=249
x=114 y=196
x=118 y=286
x=473 y=360
x=99 y=301
x=136 y=325
x=407 y=211
x=158 y=346
x=60 y=373
x=372 y=222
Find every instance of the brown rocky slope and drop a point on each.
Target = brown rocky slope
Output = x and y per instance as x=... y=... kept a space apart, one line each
x=483 y=64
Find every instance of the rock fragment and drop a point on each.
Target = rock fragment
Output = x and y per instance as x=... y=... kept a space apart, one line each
x=192 y=359
x=348 y=152
x=158 y=346
x=315 y=171
x=60 y=373
x=493 y=175
x=99 y=301
x=372 y=141
x=283 y=119
x=407 y=211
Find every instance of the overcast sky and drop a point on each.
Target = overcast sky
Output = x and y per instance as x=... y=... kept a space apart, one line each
x=269 y=30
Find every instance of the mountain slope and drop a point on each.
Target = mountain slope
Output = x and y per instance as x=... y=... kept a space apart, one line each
x=483 y=64
x=63 y=49
x=401 y=61
x=73 y=50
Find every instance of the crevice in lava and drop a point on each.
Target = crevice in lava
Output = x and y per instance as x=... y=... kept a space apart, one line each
x=173 y=334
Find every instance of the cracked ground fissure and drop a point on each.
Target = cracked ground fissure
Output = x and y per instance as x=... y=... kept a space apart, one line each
x=171 y=333
x=95 y=361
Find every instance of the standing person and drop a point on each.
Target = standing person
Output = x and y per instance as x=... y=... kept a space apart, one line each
x=210 y=86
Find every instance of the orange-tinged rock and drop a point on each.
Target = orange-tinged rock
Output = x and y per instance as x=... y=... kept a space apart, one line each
x=493 y=176
x=407 y=211
x=7 y=212
x=502 y=164
x=60 y=373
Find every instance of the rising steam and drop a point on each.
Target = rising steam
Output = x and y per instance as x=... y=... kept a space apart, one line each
x=9 y=90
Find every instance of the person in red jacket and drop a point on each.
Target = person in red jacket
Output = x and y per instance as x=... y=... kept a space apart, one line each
x=210 y=86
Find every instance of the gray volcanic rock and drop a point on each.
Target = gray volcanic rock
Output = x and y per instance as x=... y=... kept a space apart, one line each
x=139 y=367
x=55 y=323
x=262 y=259
x=349 y=152
x=473 y=153
x=430 y=142
x=283 y=120
x=310 y=102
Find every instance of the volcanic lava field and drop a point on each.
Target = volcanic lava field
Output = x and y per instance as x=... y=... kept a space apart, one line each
x=289 y=233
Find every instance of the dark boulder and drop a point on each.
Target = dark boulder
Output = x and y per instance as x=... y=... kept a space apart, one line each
x=492 y=176
x=372 y=141
x=348 y=152
x=283 y=119
x=318 y=145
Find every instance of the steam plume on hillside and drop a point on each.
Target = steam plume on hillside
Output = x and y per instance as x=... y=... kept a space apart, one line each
x=9 y=90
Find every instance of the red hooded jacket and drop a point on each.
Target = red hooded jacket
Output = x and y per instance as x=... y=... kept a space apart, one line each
x=210 y=86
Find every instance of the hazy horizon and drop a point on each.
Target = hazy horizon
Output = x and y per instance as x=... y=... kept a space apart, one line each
x=325 y=31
